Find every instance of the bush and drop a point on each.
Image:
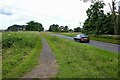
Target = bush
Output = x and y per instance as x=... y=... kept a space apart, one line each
x=17 y=46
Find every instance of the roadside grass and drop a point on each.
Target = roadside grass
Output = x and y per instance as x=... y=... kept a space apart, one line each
x=0 y=37
x=71 y=34
x=0 y=55
x=0 y=70
x=103 y=38
x=20 y=53
x=78 y=60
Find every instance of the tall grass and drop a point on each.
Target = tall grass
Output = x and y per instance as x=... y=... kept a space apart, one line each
x=106 y=38
x=0 y=43
x=71 y=34
x=78 y=60
x=20 y=53
x=0 y=55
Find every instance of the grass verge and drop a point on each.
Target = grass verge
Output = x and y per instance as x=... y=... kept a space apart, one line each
x=21 y=51
x=78 y=60
x=72 y=34
x=0 y=55
x=103 y=38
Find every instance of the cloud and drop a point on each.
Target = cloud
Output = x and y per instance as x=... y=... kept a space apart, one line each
x=5 y=11
x=47 y=12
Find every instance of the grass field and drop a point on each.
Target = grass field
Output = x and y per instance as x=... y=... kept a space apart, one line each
x=78 y=60
x=20 y=53
x=104 y=38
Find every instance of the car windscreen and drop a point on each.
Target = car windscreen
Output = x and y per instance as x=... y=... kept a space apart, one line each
x=83 y=35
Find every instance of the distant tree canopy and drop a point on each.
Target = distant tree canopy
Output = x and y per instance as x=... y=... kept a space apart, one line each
x=66 y=28
x=57 y=28
x=16 y=27
x=70 y=30
x=54 y=28
x=78 y=29
x=31 y=26
x=34 y=26
x=92 y=1
x=119 y=24
x=98 y=22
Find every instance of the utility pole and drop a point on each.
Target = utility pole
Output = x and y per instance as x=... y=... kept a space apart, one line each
x=80 y=24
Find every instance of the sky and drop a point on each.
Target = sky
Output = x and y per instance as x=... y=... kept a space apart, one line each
x=46 y=12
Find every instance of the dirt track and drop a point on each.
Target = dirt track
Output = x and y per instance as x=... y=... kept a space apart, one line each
x=47 y=67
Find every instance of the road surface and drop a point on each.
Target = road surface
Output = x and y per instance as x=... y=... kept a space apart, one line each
x=103 y=45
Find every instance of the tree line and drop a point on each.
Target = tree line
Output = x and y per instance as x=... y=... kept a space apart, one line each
x=35 y=26
x=100 y=23
x=57 y=28
x=31 y=26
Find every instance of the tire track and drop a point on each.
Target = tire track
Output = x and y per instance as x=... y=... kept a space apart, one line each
x=47 y=67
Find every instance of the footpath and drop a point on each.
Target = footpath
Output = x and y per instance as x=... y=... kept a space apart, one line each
x=47 y=66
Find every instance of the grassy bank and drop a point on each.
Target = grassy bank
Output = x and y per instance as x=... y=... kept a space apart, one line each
x=78 y=60
x=103 y=38
x=72 y=34
x=0 y=56
x=20 y=53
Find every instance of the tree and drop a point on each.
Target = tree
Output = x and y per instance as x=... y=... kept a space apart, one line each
x=15 y=27
x=54 y=28
x=93 y=1
x=61 y=28
x=115 y=17
x=78 y=29
x=95 y=17
x=118 y=24
x=70 y=30
x=66 y=29
x=34 y=26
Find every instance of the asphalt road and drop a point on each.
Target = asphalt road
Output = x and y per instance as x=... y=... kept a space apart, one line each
x=103 y=45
